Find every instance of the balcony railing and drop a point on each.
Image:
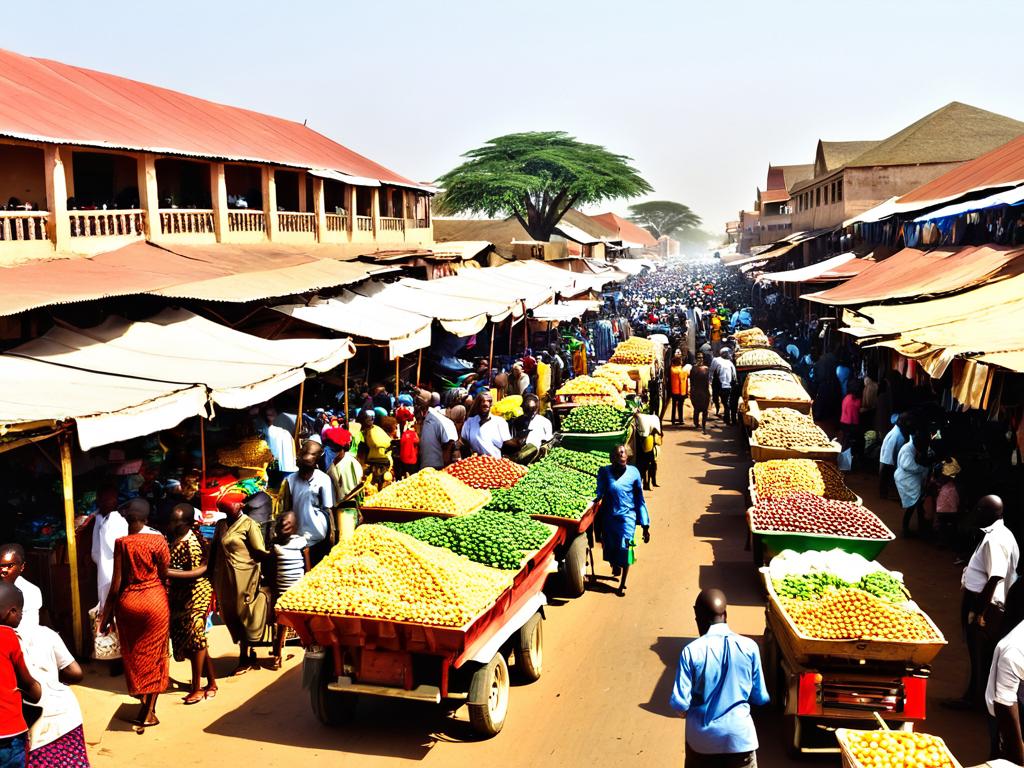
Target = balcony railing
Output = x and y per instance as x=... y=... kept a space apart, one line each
x=246 y=221
x=391 y=224
x=417 y=223
x=187 y=221
x=337 y=222
x=23 y=225
x=364 y=223
x=123 y=223
x=296 y=222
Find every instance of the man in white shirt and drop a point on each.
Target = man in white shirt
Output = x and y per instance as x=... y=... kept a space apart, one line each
x=108 y=526
x=531 y=430
x=12 y=566
x=280 y=440
x=894 y=439
x=438 y=434
x=724 y=373
x=990 y=572
x=1003 y=694
x=309 y=492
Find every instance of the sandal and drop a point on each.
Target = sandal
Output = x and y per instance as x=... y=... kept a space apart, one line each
x=275 y=663
x=211 y=692
x=195 y=697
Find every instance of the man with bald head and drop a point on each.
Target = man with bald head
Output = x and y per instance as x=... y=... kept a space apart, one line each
x=990 y=572
x=719 y=677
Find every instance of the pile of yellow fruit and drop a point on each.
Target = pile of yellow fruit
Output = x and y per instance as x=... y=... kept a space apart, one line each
x=588 y=390
x=384 y=574
x=787 y=428
x=635 y=350
x=852 y=614
x=621 y=381
x=782 y=477
x=760 y=358
x=774 y=385
x=751 y=337
x=897 y=749
x=430 y=491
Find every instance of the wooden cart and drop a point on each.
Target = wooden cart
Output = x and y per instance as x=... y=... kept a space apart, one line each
x=850 y=760
x=753 y=495
x=351 y=656
x=824 y=682
x=764 y=452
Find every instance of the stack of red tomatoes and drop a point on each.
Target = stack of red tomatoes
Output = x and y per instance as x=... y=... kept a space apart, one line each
x=487 y=472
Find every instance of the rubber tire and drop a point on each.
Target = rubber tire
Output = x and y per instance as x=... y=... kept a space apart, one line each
x=530 y=649
x=489 y=717
x=576 y=567
x=332 y=708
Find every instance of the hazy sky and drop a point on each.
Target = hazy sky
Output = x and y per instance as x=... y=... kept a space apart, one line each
x=701 y=95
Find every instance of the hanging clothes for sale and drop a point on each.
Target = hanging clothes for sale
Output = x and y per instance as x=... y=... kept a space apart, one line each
x=603 y=340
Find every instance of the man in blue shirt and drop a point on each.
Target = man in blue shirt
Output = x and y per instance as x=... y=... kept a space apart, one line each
x=719 y=678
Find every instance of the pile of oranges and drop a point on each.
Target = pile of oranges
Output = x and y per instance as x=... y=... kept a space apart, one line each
x=384 y=574
x=896 y=749
x=430 y=491
x=852 y=614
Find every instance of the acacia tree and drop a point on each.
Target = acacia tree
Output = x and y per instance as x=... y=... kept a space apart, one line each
x=536 y=177
x=663 y=217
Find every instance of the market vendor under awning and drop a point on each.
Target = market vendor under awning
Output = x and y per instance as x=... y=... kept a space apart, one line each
x=485 y=434
x=621 y=495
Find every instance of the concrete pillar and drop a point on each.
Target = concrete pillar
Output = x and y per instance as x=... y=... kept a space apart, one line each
x=319 y=209
x=58 y=225
x=270 y=202
x=219 y=201
x=149 y=197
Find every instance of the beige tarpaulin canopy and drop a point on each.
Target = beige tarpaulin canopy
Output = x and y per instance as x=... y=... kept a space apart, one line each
x=367 y=318
x=179 y=348
x=460 y=316
x=985 y=324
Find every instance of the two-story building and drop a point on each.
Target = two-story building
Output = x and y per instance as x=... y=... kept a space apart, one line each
x=852 y=177
x=773 y=203
x=91 y=162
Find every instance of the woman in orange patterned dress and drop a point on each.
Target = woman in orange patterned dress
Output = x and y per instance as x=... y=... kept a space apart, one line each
x=137 y=605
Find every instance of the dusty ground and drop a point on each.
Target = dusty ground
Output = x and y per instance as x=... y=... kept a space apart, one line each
x=608 y=661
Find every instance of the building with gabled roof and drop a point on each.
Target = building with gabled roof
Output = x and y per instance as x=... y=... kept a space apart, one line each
x=853 y=177
x=93 y=162
x=631 y=235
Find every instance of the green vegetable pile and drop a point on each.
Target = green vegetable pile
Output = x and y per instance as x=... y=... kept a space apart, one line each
x=489 y=536
x=547 y=489
x=589 y=462
x=595 y=418
x=814 y=585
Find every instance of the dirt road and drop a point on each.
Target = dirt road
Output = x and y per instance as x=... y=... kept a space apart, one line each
x=608 y=662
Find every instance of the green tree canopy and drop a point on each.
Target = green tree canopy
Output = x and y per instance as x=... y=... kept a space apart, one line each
x=536 y=177
x=663 y=217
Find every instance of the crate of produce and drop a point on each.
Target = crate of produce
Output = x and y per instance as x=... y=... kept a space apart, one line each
x=782 y=477
x=760 y=452
x=751 y=337
x=486 y=472
x=595 y=428
x=549 y=491
x=803 y=521
x=918 y=749
x=803 y=648
x=760 y=359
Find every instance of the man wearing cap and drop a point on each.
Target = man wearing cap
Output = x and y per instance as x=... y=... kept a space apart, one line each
x=718 y=678
x=437 y=434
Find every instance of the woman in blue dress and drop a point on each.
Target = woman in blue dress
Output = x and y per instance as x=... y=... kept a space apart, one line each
x=620 y=492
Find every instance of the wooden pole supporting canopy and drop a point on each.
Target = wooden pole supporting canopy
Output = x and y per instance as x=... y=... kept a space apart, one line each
x=298 y=413
x=346 y=394
x=69 y=527
x=419 y=366
x=398 y=362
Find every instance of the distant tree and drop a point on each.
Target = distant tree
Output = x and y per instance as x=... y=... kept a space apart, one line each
x=536 y=177
x=663 y=217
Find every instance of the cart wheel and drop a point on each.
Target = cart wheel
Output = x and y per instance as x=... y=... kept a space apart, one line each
x=332 y=708
x=489 y=687
x=530 y=649
x=576 y=567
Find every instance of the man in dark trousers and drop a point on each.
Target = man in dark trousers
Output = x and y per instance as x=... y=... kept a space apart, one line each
x=719 y=677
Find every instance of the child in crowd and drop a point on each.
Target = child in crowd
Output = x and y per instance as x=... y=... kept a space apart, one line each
x=291 y=559
x=15 y=680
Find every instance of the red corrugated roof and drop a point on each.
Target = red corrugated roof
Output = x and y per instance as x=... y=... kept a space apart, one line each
x=626 y=230
x=774 y=195
x=912 y=272
x=1002 y=166
x=49 y=101
x=776 y=178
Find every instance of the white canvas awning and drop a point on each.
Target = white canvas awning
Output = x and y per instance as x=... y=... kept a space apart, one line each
x=457 y=315
x=180 y=348
x=105 y=408
x=539 y=273
x=803 y=274
x=489 y=284
x=367 y=318
x=565 y=310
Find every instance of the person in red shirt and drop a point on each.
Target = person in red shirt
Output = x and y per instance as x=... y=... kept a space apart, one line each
x=15 y=680
x=849 y=418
